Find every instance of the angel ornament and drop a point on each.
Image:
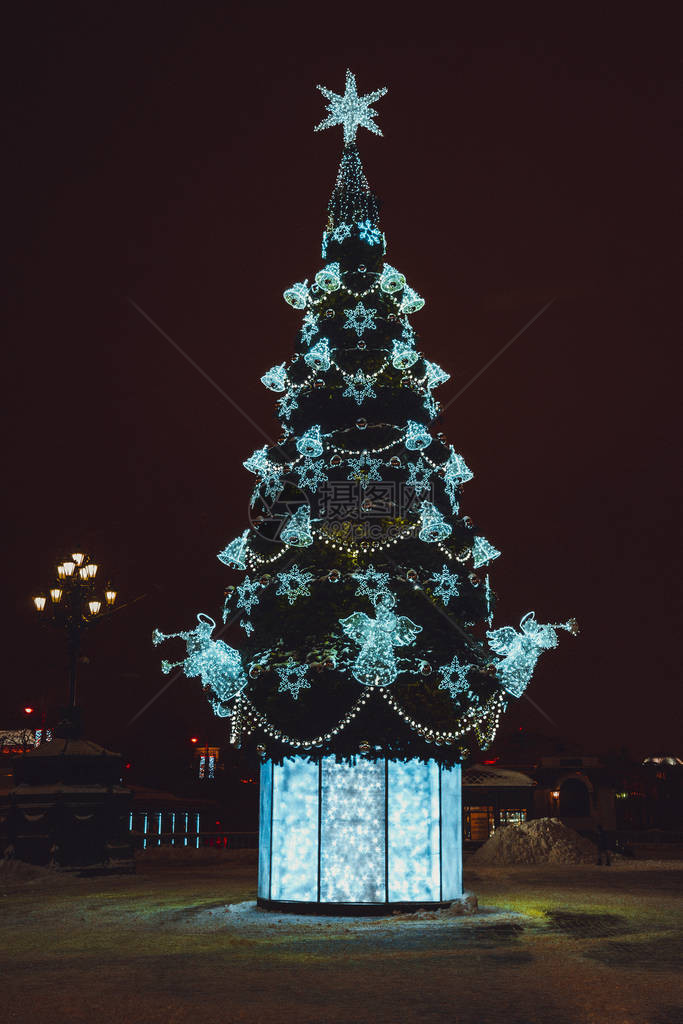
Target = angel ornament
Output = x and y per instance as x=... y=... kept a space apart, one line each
x=520 y=651
x=377 y=638
x=218 y=664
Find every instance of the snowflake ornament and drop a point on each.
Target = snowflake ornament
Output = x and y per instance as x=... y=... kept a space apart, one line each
x=350 y=110
x=341 y=232
x=247 y=594
x=287 y=404
x=431 y=406
x=292 y=678
x=369 y=233
x=294 y=584
x=359 y=388
x=371 y=583
x=419 y=476
x=247 y=626
x=272 y=487
x=309 y=328
x=459 y=686
x=312 y=473
x=360 y=319
x=364 y=468
x=447 y=584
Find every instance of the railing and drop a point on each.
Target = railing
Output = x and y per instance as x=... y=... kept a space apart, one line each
x=195 y=840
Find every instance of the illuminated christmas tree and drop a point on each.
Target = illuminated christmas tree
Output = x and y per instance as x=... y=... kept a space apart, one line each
x=368 y=661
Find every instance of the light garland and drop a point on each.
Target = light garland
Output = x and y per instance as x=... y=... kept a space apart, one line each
x=473 y=719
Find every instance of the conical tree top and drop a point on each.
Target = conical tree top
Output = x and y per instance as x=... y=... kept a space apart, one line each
x=352 y=200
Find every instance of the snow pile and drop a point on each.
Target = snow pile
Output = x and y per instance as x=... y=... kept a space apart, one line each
x=542 y=841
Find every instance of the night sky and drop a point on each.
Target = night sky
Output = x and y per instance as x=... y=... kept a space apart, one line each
x=165 y=155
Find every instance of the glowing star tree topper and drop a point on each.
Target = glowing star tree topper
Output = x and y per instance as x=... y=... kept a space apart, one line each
x=350 y=110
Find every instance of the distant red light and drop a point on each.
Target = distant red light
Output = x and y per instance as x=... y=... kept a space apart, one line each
x=194 y=739
x=127 y=765
x=28 y=711
x=492 y=761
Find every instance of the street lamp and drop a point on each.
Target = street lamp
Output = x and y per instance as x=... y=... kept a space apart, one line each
x=74 y=606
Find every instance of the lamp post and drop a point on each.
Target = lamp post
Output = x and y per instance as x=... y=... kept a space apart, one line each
x=74 y=604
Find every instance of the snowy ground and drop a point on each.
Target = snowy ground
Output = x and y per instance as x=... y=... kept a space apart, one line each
x=182 y=941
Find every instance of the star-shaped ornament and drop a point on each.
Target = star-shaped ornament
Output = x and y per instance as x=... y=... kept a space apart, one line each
x=292 y=678
x=459 y=686
x=360 y=319
x=350 y=110
x=359 y=388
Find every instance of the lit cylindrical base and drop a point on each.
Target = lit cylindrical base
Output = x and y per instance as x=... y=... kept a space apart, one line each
x=376 y=835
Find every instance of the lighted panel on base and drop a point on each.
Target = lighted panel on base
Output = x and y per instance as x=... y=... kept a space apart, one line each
x=367 y=836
